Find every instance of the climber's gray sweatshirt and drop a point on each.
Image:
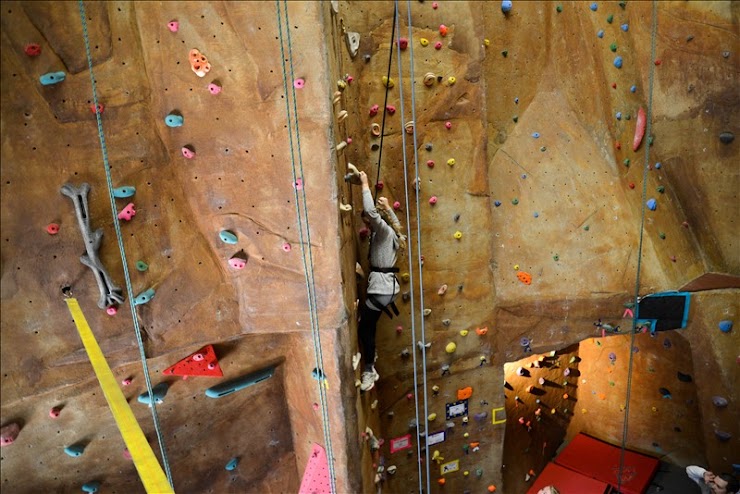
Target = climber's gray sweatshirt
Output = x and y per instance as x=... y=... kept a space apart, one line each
x=383 y=249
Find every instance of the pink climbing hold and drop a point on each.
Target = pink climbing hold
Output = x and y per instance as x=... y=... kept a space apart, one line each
x=287 y=247
x=237 y=263
x=410 y=396
x=399 y=329
x=52 y=228
x=315 y=406
x=298 y=184
x=349 y=140
x=316 y=476
x=435 y=5
x=403 y=43
x=442 y=30
x=438 y=45
x=214 y=88
x=430 y=163
x=433 y=200
x=639 y=129
x=299 y=83
x=8 y=434
x=127 y=454
x=390 y=109
x=448 y=125
x=173 y=26
x=54 y=412
x=349 y=79
x=188 y=153
x=95 y=109
x=396 y=205
x=374 y=110
x=112 y=310
x=128 y=212
x=127 y=381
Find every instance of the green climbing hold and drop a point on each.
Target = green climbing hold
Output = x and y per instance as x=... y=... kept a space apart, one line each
x=662 y=235
x=587 y=228
x=661 y=189
x=556 y=258
x=628 y=117
x=613 y=47
x=515 y=118
x=559 y=8
x=610 y=19
x=141 y=266
x=543 y=149
x=479 y=472
x=623 y=4
x=515 y=201
x=650 y=140
x=626 y=162
x=505 y=53
x=611 y=383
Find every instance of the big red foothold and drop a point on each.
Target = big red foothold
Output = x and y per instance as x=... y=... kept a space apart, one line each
x=173 y=26
x=52 y=228
x=188 y=153
x=214 y=88
x=201 y=363
x=199 y=63
x=32 y=49
x=9 y=433
x=128 y=212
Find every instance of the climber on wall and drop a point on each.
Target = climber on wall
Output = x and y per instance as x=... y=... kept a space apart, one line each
x=383 y=287
x=709 y=483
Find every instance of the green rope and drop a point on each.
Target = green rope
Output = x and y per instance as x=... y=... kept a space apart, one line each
x=305 y=245
x=119 y=236
x=649 y=117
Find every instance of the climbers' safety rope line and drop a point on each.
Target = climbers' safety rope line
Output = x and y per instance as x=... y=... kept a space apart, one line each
x=385 y=103
x=119 y=236
x=146 y=463
x=646 y=137
x=418 y=242
x=408 y=248
x=305 y=244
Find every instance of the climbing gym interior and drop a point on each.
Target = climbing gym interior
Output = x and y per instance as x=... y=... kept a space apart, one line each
x=185 y=262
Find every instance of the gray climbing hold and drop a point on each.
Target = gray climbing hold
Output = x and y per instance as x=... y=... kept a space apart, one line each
x=719 y=401
x=725 y=54
x=158 y=392
x=652 y=204
x=446 y=322
x=428 y=146
x=600 y=34
x=228 y=237
x=125 y=191
x=173 y=120
x=144 y=297
x=353 y=43
x=726 y=137
x=618 y=62
x=690 y=37
x=75 y=450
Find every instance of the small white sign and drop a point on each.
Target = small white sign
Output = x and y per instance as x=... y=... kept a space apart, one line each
x=436 y=438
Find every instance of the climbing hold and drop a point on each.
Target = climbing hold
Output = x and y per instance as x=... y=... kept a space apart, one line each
x=390 y=109
x=52 y=78
x=173 y=26
x=127 y=381
x=91 y=487
x=388 y=82
x=214 y=88
x=433 y=200
x=443 y=30
x=125 y=191
x=497 y=203
x=661 y=235
x=722 y=435
x=9 y=433
x=618 y=62
x=409 y=127
x=173 y=120
x=610 y=18
x=657 y=166
x=657 y=62
x=639 y=129
x=481 y=331
x=144 y=297
x=95 y=109
x=600 y=33
x=625 y=27
x=631 y=185
x=458 y=235
x=32 y=49
x=451 y=347
x=52 y=228
x=725 y=326
x=536 y=135
x=536 y=214
x=451 y=161
x=619 y=115
x=237 y=262
x=524 y=277
x=559 y=8
x=396 y=205
x=188 y=152
x=199 y=63
x=430 y=163
x=438 y=45
x=448 y=125
x=141 y=266
x=626 y=162
x=594 y=6
x=128 y=212
x=506 y=6
x=661 y=189
x=515 y=201
x=719 y=401
x=442 y=290
x=652 y=204
x=451 y=80
x=201 y=363
x=158 y=392
x=726 y=137
x=633 y=89
x=429 y=79
x=75 y=450
x=287 y=247
x=424 y=42
x=228 y=237
x=374 y=111
x=54 y=412
x=666 y=393
x=516 y=101
x=613 y=47
x=231 y=465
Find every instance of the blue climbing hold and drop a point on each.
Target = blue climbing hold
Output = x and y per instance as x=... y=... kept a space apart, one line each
x=625 y=27
x=52 y=78
x=516 y=101
x=536 y=135
x=618 y=62
x=227 y=237
x=633 y=89
x=173 y=120
x=652 y=204
x=657 y=165
x=144 y=297
x=158 y=392
x=497 y=203
x=125 y=191
x=619 y=115
x=594 y=7
x=506 y=6
x=666 y=394
x=75 y=450
x=536 y=214
x=231 y=465
x=318 y=374
x=91 y=487
x=725 y=326
x=600 y=34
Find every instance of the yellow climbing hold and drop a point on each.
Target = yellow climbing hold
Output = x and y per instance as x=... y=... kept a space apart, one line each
x=516 y=267
x=583 y=410
x=451 y=161
x=458 y=235
x=451 y=80
x=464 y=332
x=655 y=409
x=341 y=85
x=487 y=42
x=405 y=277
x=424 y=42
x=432 y=416
x=388 y=82
x=466 y=473
x=451 y=347
x=466 y=435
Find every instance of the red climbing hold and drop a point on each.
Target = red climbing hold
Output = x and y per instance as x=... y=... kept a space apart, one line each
x=316 y=476
x=52 y=228
x=614 y=85
x=658 y=61
x=379 y=185
x=97 y=109
x=639 y=129
x=632 y=185
x=33 y=49
x=201 y=363
x=403 y=43
x=618 y=145
x=128 y=212
x=443 y=30
x=374 y=110
x=390 y=109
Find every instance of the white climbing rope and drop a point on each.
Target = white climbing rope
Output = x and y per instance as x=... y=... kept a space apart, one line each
x=300 y=199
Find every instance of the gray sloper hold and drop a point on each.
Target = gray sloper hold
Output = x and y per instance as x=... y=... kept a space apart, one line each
x=353 y=43
x=719 y=401
x=726 y=137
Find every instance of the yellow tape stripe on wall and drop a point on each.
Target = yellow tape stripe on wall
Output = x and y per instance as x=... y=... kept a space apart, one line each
x=150 y=471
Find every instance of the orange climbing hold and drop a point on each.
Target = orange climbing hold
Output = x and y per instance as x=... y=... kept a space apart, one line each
x=491 y=488
x=199 y=63
x=525 y=278
x=464 y=393
x=481 y=331
x=441 y=481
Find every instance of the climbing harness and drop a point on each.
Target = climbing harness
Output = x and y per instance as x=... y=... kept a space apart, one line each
x=119 y=237
x=301 y=206
x=646 y=167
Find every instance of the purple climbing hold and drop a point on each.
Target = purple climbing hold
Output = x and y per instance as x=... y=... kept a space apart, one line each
x=613 y=356
x=497 y=203
x=480 y=416
x=723 y=436
x=635 y=349
x=719 y=401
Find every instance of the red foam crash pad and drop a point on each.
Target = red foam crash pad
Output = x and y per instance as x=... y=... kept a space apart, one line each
x=200 y=363
x=567 y=481
x=600 y=460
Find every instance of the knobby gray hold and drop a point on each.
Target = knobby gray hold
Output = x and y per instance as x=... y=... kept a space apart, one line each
x=726 y=137
x=110 y=294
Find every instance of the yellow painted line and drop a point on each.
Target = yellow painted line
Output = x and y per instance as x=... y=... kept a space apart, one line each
x=150 y=471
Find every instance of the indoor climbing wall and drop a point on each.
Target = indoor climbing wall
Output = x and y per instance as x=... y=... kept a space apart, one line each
x=192 y=103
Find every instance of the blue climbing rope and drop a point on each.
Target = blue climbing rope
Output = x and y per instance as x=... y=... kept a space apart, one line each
x=119 y=237
x=408 y=249
x=305 y=244
x=636 y=315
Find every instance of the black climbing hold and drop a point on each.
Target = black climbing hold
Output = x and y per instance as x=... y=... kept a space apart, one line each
x=428 y=146
x=367 y=57
x=505 y=53
x=515 y=118
x=665 y=392
x=457 y=217
x=684 y=378
x=677 y=429
x=726 y=137
x=689 y=37
x=375 y=147
x=623 y=4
